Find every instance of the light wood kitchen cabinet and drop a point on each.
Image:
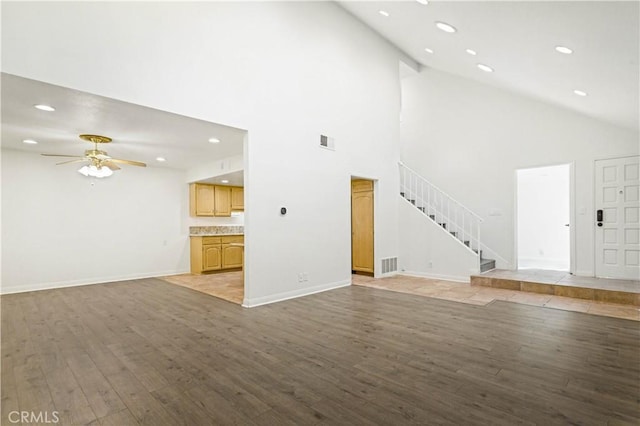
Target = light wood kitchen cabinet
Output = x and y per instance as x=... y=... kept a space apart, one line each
x=222 y=196
x=232 y=254
x=211 y=257
x=201 y=199
x=216 y=253
x=214 y=200
x=237 y=198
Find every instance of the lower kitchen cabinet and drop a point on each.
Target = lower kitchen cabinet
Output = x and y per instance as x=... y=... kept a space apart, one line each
x=212 y=253
x=232 y=256
x=211 y=257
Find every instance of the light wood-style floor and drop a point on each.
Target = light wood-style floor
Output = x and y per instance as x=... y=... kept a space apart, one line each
x=149 y=352
x=476 y=295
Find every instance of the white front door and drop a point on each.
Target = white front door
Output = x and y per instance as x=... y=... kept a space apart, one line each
x=617 y=220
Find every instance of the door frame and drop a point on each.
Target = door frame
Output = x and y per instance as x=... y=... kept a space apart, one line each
x=572 y=212
x=352 y=177
x=593 y=210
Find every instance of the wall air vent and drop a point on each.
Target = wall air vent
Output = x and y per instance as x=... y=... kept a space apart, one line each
x=327 y=142
x=389 y=264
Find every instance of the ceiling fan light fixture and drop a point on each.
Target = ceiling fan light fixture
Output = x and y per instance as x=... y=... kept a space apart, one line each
x=93 y=171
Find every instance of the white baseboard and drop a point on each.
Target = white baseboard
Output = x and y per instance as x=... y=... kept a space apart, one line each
x=85 y=281
x=279 y=297
x=584 y=274
x=460 y=279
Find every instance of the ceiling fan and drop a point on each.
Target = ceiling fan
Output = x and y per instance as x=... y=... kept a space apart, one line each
x=100 y=163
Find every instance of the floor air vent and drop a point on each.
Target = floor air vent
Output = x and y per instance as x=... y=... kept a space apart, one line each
x=389 y=264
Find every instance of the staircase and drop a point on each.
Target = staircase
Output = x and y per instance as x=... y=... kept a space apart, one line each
x=437 y=206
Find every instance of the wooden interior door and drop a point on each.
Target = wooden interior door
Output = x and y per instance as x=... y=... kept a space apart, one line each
x=617 y=220
x=362 y=226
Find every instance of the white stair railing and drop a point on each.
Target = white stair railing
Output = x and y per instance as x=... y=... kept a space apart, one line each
x=437 y=205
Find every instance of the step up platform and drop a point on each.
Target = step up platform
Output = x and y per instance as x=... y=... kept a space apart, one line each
x=560 y=283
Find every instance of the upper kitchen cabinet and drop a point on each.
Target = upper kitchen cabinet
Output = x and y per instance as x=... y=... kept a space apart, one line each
x=206 y=199
x=201 y=199
x=222 y=195
x=237 y=198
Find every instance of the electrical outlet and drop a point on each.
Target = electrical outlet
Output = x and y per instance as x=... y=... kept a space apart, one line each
x=430 y=264
x=305 y=276
x=300 y=277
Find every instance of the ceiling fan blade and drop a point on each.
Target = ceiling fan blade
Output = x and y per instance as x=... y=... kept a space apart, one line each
x=110 y=164
x=73 y=161
x=129 y=162
x=61 y=155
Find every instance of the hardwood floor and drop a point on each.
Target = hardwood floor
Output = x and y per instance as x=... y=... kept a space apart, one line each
x=149 y=352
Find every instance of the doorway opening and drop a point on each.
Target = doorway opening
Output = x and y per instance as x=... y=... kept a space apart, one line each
x=543 y=218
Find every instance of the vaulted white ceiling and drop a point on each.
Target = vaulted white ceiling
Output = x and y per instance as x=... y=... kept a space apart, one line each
x=518 y=39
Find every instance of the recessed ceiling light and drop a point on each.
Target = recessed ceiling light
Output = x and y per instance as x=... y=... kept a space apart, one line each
x=428 y=50
x=485 y=68
x=424 y=2
x=383 y=12
x=224 y=181
x=30 y=142
x=580 y=93
x=43 y=107
x=214 y=140
x=161 y=159
x=565 y=50
x=446 y=27
x=472 y=52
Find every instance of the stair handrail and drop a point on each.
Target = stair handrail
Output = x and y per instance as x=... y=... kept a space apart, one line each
x=418 y=175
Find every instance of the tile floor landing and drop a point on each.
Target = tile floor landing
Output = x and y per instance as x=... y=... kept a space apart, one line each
x=479 y=295
x=560 y=283
x=225 y=285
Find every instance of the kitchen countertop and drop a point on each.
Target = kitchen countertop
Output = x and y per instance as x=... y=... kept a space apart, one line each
x=213 y=231
x=216 y=235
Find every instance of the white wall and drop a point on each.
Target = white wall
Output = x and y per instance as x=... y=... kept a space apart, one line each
x=287 y=72
x=427 y=249
x=60 y=228
x=543 y=211
x=469 y=138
